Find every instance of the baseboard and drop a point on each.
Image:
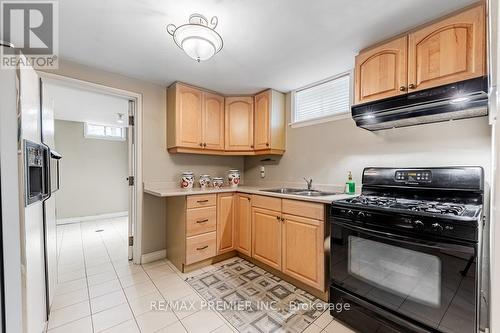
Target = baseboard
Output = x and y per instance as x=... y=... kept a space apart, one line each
x=79 y=219
x=153 y=256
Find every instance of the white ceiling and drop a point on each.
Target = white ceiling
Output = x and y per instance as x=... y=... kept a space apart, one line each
x=283 y=44
x=74 y=104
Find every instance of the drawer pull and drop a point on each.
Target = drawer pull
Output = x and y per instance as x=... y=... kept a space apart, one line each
x=202 y=248
x=202 y=201
x=202 y=221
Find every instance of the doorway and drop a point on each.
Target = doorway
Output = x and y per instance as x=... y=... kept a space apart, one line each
x=96 y=187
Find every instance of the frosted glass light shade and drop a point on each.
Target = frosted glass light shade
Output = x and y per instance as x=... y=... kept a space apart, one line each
x=197 y=39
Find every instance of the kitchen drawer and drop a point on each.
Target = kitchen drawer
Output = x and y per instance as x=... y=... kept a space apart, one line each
x=200 y=247
x=201 y=220
x=311 y=210
x=266 y=202
x=203 y=200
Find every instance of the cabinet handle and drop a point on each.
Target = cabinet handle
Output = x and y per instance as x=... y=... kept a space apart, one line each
x=251 y=146
x=202 y=201
x=202 y=221
x=278 y=218
x=402 y=88
x=267 y=144
x=202 y=248
x=411 y=86
x=201 y=144
x=282 y=219
x=204 y=144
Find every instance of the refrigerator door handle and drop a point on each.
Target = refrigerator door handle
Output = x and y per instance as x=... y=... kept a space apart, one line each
x=47 y=192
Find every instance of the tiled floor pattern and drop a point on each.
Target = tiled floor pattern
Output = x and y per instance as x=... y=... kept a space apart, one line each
x=99 y=290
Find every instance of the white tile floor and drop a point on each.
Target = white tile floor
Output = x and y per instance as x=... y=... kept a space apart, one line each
x=99 y=290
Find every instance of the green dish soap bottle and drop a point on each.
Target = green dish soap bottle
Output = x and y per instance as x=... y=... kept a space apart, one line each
x=350 y=185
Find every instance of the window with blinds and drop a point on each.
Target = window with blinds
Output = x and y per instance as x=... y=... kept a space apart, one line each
x=323 y=101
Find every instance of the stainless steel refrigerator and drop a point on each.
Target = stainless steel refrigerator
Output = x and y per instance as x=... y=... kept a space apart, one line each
x=37 y=163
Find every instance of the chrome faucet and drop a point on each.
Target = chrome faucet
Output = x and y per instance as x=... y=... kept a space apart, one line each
x=309 y=183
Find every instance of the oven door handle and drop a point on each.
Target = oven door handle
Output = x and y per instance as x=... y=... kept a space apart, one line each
x=406 y=240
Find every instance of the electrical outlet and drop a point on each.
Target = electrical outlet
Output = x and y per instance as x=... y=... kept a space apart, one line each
x=262 y=172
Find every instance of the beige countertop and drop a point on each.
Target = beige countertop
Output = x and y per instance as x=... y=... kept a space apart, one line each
x=167 y=191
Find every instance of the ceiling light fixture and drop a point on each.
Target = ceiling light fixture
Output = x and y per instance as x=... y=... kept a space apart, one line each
x=120 y=118
x=197 y=39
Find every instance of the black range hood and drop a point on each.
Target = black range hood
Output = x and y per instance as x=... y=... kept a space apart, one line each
x=460 y=100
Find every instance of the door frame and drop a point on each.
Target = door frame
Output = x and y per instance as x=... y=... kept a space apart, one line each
x=137 y=195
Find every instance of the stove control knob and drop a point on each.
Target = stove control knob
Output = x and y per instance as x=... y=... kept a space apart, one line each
x=419 y=225
x=361 y=215
x=437 y=227
x=350 y=213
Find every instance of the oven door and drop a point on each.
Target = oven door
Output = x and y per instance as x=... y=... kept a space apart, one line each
x=427 y=283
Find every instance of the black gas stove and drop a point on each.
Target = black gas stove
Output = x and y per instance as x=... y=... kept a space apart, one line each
x=405 y=253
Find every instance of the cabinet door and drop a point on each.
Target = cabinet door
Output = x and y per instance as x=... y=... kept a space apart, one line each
x=243 y=222
x=262 y=126
x=266 y=237
x=213 y=121
x=303 y=255
x=225 y=222
x=189 y=117
x=239 y=123
x=448 y=51
x=381 y=72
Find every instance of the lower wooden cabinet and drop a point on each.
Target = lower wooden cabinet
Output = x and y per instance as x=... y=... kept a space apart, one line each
x=225 y=222
x=286 y=235
x=303 y=256
x=200 y=247
x=243 y=223
x=266 y=236
x=290 y=237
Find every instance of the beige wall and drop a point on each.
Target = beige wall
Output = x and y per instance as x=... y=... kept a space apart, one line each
x=326 y=152
x=158 y=164
x=92 y=173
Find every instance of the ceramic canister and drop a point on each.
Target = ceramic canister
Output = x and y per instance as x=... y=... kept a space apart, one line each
x=205 y=181
x=218 y=182
x=187 y=179
x=233 y=177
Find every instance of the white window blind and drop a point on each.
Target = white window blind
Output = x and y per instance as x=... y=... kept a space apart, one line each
x=323 y=100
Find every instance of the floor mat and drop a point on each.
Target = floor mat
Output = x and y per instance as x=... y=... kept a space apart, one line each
x=254 y=300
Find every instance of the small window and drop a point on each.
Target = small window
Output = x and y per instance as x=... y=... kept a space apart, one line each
x=322 y=101
x=93 y=131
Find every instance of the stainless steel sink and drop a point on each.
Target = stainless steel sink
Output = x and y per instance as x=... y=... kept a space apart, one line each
x=301 y=192
x=285 y=190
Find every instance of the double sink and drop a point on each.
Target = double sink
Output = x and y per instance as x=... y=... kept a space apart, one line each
x=300 y=192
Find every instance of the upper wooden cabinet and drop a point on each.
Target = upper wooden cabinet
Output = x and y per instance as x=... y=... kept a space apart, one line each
x=184 y=119
x=269 y=127
x=213 y=121
x=446 y=51
x=381 y=71
x=239 y=123
x=203 y=122
x=195 y=118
